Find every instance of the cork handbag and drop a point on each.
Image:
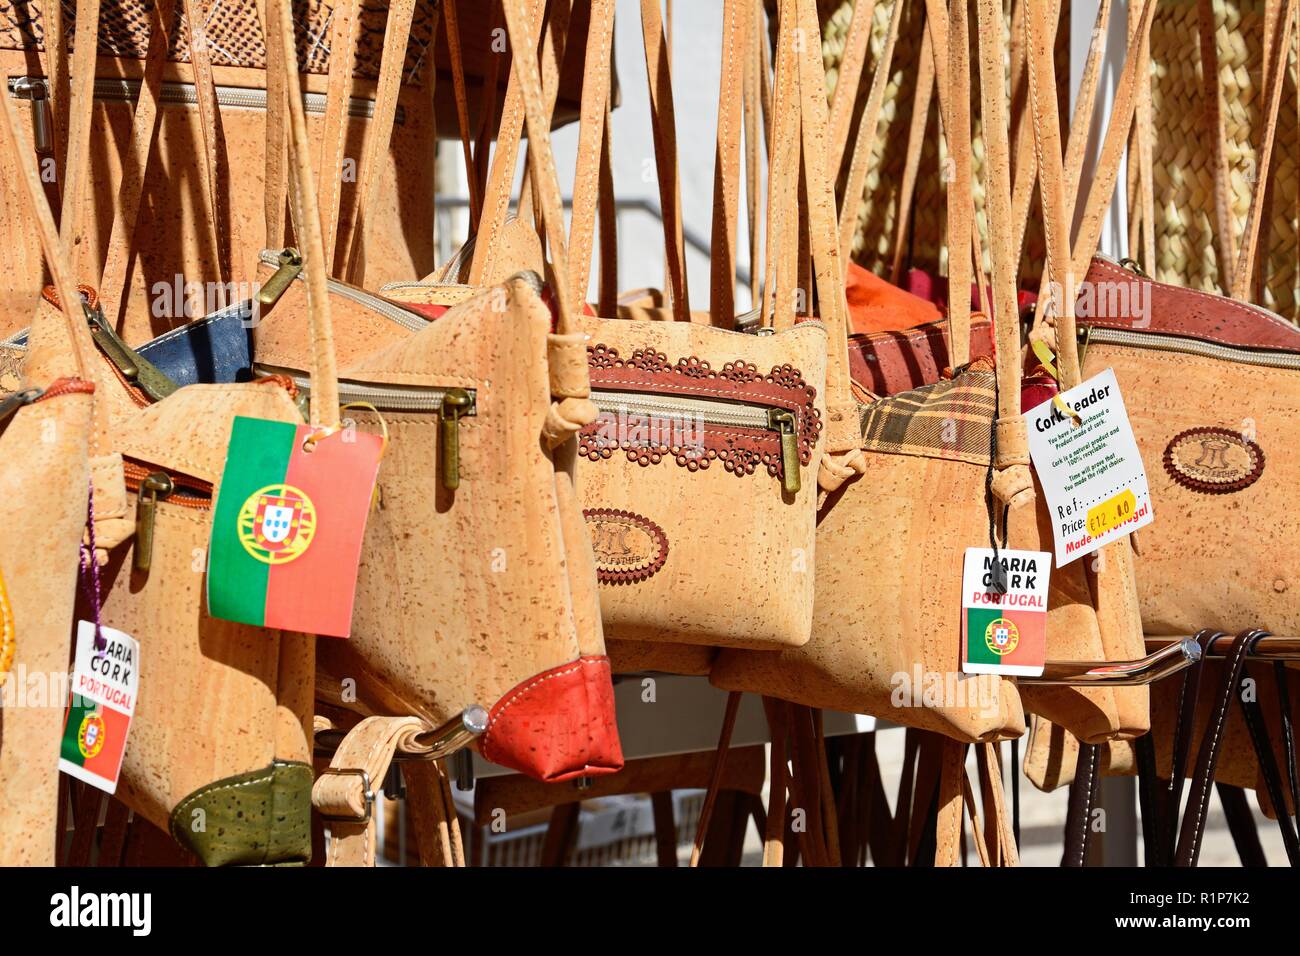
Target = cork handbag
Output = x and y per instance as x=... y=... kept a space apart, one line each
x=757 y=405
x=161 y=251
x=1095 y=599
x=493 y=601
x=891 y=544
x=235 y=786
x=45 y=443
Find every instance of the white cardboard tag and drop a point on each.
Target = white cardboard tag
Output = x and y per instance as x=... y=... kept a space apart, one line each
x=101 y=703
x=1092 y=473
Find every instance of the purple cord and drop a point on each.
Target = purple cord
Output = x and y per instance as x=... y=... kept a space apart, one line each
x=90 y=574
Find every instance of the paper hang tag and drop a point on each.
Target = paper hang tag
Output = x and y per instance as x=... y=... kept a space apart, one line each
x=101 y=703
x=1004 y=633
x=287 y=526
x=1091 y=472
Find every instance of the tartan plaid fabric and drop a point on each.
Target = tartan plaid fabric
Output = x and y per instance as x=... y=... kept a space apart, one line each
x=949 y=419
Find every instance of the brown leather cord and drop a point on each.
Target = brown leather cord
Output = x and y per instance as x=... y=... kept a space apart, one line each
x=1241 y=825
x=113 y=287
x=778 y=783
x=719 y=765
x=1078 y=816
x=379 y=130
x=1268 y=764
x=1280 y=671
x=1193 y=826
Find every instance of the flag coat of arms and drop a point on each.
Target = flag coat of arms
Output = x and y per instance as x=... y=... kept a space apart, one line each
x=288 y=524
x=1005 y=633
x=101 y=702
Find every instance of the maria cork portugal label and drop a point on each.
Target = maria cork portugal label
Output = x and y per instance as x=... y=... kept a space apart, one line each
x=629 y=548
x=1004 y=633
x=105 y=684
x=288 y=524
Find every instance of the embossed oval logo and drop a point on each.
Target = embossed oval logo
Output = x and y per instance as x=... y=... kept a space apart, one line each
x=1215 y=461
x=629 y=548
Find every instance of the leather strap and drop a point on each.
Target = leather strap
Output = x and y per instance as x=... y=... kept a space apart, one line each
x=778 y=783
x=452 y=22
x=958 y=136
x=1217 y=134
x=952 y=776
x=736 y=44
x=307 y=226
x=214 y=147
x=1279 y=51
x=81 y=107
x=1267 y=759
x=277 y=132
x=379 y=130
x=715 y=777
x=1280 y=672
x=1141 y=146
x=845 y=98
x=1083 y=795
x=1241 y=825
x=1198 y=799
x=338 y=98
x=592 y=139
x=923 y=97
x=866 y=138
x=346 y=793
x=113 y=288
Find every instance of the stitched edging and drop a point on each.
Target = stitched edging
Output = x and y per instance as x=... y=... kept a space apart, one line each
x=265 y=775
x=504 y=704
x=1215 y=487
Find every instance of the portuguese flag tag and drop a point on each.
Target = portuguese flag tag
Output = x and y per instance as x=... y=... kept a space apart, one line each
x=1004 y=633
x=105 y=682
x=288 y=524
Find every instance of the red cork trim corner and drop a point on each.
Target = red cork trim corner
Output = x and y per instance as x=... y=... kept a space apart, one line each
x=558 y=724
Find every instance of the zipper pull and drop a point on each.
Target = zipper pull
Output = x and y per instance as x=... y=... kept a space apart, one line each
x=135 y=368
x=38 y=91
x=290 y=265
x=11 y=403
x=157 y=485
x=782 y=420
x=455 y=403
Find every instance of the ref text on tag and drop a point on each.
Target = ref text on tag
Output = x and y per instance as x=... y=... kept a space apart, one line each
x=287 y=526
x=1090 y=470
x=105 y=682
x=1004 y=633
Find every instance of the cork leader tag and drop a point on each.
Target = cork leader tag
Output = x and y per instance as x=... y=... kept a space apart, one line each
x=1090 y=468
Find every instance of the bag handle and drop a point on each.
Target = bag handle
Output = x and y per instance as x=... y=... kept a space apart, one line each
x=1278 y=50
x=852 y=63
x=379 y=132
x=113 y=285
x=592 y=139
x=957 y=132
x=32 y=193
x=736 y=45
x=81 y=104
x=307 y=227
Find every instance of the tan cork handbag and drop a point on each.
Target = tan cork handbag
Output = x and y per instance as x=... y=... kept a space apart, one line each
x=45 y=444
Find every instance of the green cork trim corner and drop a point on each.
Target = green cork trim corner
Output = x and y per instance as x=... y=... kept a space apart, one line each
x=261 y=818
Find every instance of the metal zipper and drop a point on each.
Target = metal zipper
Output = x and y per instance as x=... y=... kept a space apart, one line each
x=713 y=412
x=450 y=404
x=288 y=267
x=152 y=485
x=125 y=90
x=1161 y=342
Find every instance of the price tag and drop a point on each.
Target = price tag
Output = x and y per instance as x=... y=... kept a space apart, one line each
x=1004 y=633
x=105 y=682
x=1090 y=470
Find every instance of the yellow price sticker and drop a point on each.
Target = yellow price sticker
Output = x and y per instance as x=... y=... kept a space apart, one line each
x=1111 y=513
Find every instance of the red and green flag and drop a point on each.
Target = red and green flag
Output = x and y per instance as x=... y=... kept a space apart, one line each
x=288 y=524
x=94 y=741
